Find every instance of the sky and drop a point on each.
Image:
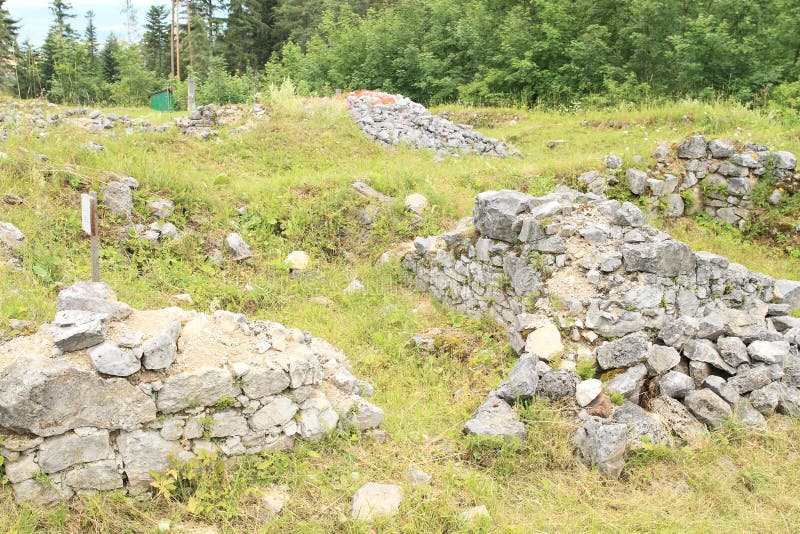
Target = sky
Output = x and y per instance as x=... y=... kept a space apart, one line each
x=35 y=17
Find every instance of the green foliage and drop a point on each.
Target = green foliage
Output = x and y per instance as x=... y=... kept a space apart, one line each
x=586 y=369
x=219 y=87
x=617 y=398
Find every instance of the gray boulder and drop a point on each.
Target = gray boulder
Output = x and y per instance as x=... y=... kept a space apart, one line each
x=95 y=297
x=694 y=147
x=637 y=181
x=162 y=207
x=629 y=215
x=751 y=379
x=746 y=414
x=703 y=350
x=602 y=444
x=708 y=407
x=237 y=246
x=624 y=352
x=643 y=428
x=721 y=148
x=496 y=211
x=375 y=501
x=10 y=236
x=661 y=359
x=733 y=351
x=765 y=400
x=558 y=385
x=159 y=351
x=668 y=258
x=720 y=386
x=76 y=330
x=675 y=384
x=678 y=419
x=33 y=399
x=769 y=351
x=117 y=198
x=628 y=384
x=495 y=417
x=143 y=452
x=521 y=382
x=58 y=453
x=200 y=387
x=112 y=360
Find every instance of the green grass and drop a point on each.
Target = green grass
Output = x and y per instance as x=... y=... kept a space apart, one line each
x=292 y=174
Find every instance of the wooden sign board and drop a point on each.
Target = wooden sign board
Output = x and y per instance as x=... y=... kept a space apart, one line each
x=89 y=214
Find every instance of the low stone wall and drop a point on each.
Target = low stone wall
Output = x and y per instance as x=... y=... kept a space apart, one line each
x=106 y=394
x=716 y=177
x=395 y=119
x=687 y=339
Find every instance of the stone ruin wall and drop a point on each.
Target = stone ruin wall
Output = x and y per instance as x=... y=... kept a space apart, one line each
x=714 y=176
x=688 y=339
x=106 y=394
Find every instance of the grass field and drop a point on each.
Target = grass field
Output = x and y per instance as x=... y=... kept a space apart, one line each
x=292 y=174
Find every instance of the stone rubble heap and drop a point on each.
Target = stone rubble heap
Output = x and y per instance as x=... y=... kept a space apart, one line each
x=715 y=177
x=395 y=119
x=204 y=120
x=106 y=394
x=687 y=339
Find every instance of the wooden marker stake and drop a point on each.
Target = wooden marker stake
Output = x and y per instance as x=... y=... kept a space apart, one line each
x=89 y=225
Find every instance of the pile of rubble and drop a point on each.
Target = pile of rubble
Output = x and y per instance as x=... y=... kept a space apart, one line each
x=395 y=119
x=105 y=394
x=715 y=177
x=680 y=340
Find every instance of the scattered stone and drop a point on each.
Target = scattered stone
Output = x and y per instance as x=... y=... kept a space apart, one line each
x=297 y=261
x=112 y=360
x=544 y=342
x=495 y=417
x=679 y=421
x=474 y=514
x=376 y=501
x=237 y=246
x=558 y=385
x=161 y=208
x=521 y=382
x=416 y=203
x=417 y=477
x=628 y=384
x=10 y=236
x=117 y=198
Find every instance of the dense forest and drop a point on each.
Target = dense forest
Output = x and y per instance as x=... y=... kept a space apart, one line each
x=524 y=52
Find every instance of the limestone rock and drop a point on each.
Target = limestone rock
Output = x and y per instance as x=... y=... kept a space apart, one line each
x=694 y=147
x=708 y=407
x=94 y=297
x=676 y=384
x=558 y=385
x=624 y=352
x=237 y=246
x=602 y=444
x=117 y=198
x=637 y=181
x=643 y=428
x=544 y=342
x=200 y=387
x=297 y=260
x=376 y=501
x=144 y=451
x=160 y=350
x=112 y=360
x=495 y=418
x=60 y=452
x=521 y=382
x=34 y=398
x=496 y=211
x=161 y=208
x=10 y=236
x=679 y=421
x=661 y=359
x=628 y=384
x=416 y=203
x=587 y=391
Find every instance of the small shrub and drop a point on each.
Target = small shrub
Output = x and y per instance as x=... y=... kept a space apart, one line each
x=617 y=398
x=586 y=369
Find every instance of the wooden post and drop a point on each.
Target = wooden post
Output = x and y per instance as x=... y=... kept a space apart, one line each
x=172 y=41
x=89 y=225
x=178 y=40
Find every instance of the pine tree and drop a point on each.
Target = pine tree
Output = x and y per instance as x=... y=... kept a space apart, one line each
x=108 y=56
x=8 y=35
x=90 y=37
x=155 y=42
x=248 y=40
x=60 y=40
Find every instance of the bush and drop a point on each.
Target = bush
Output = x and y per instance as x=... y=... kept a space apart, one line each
x=219 y=87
